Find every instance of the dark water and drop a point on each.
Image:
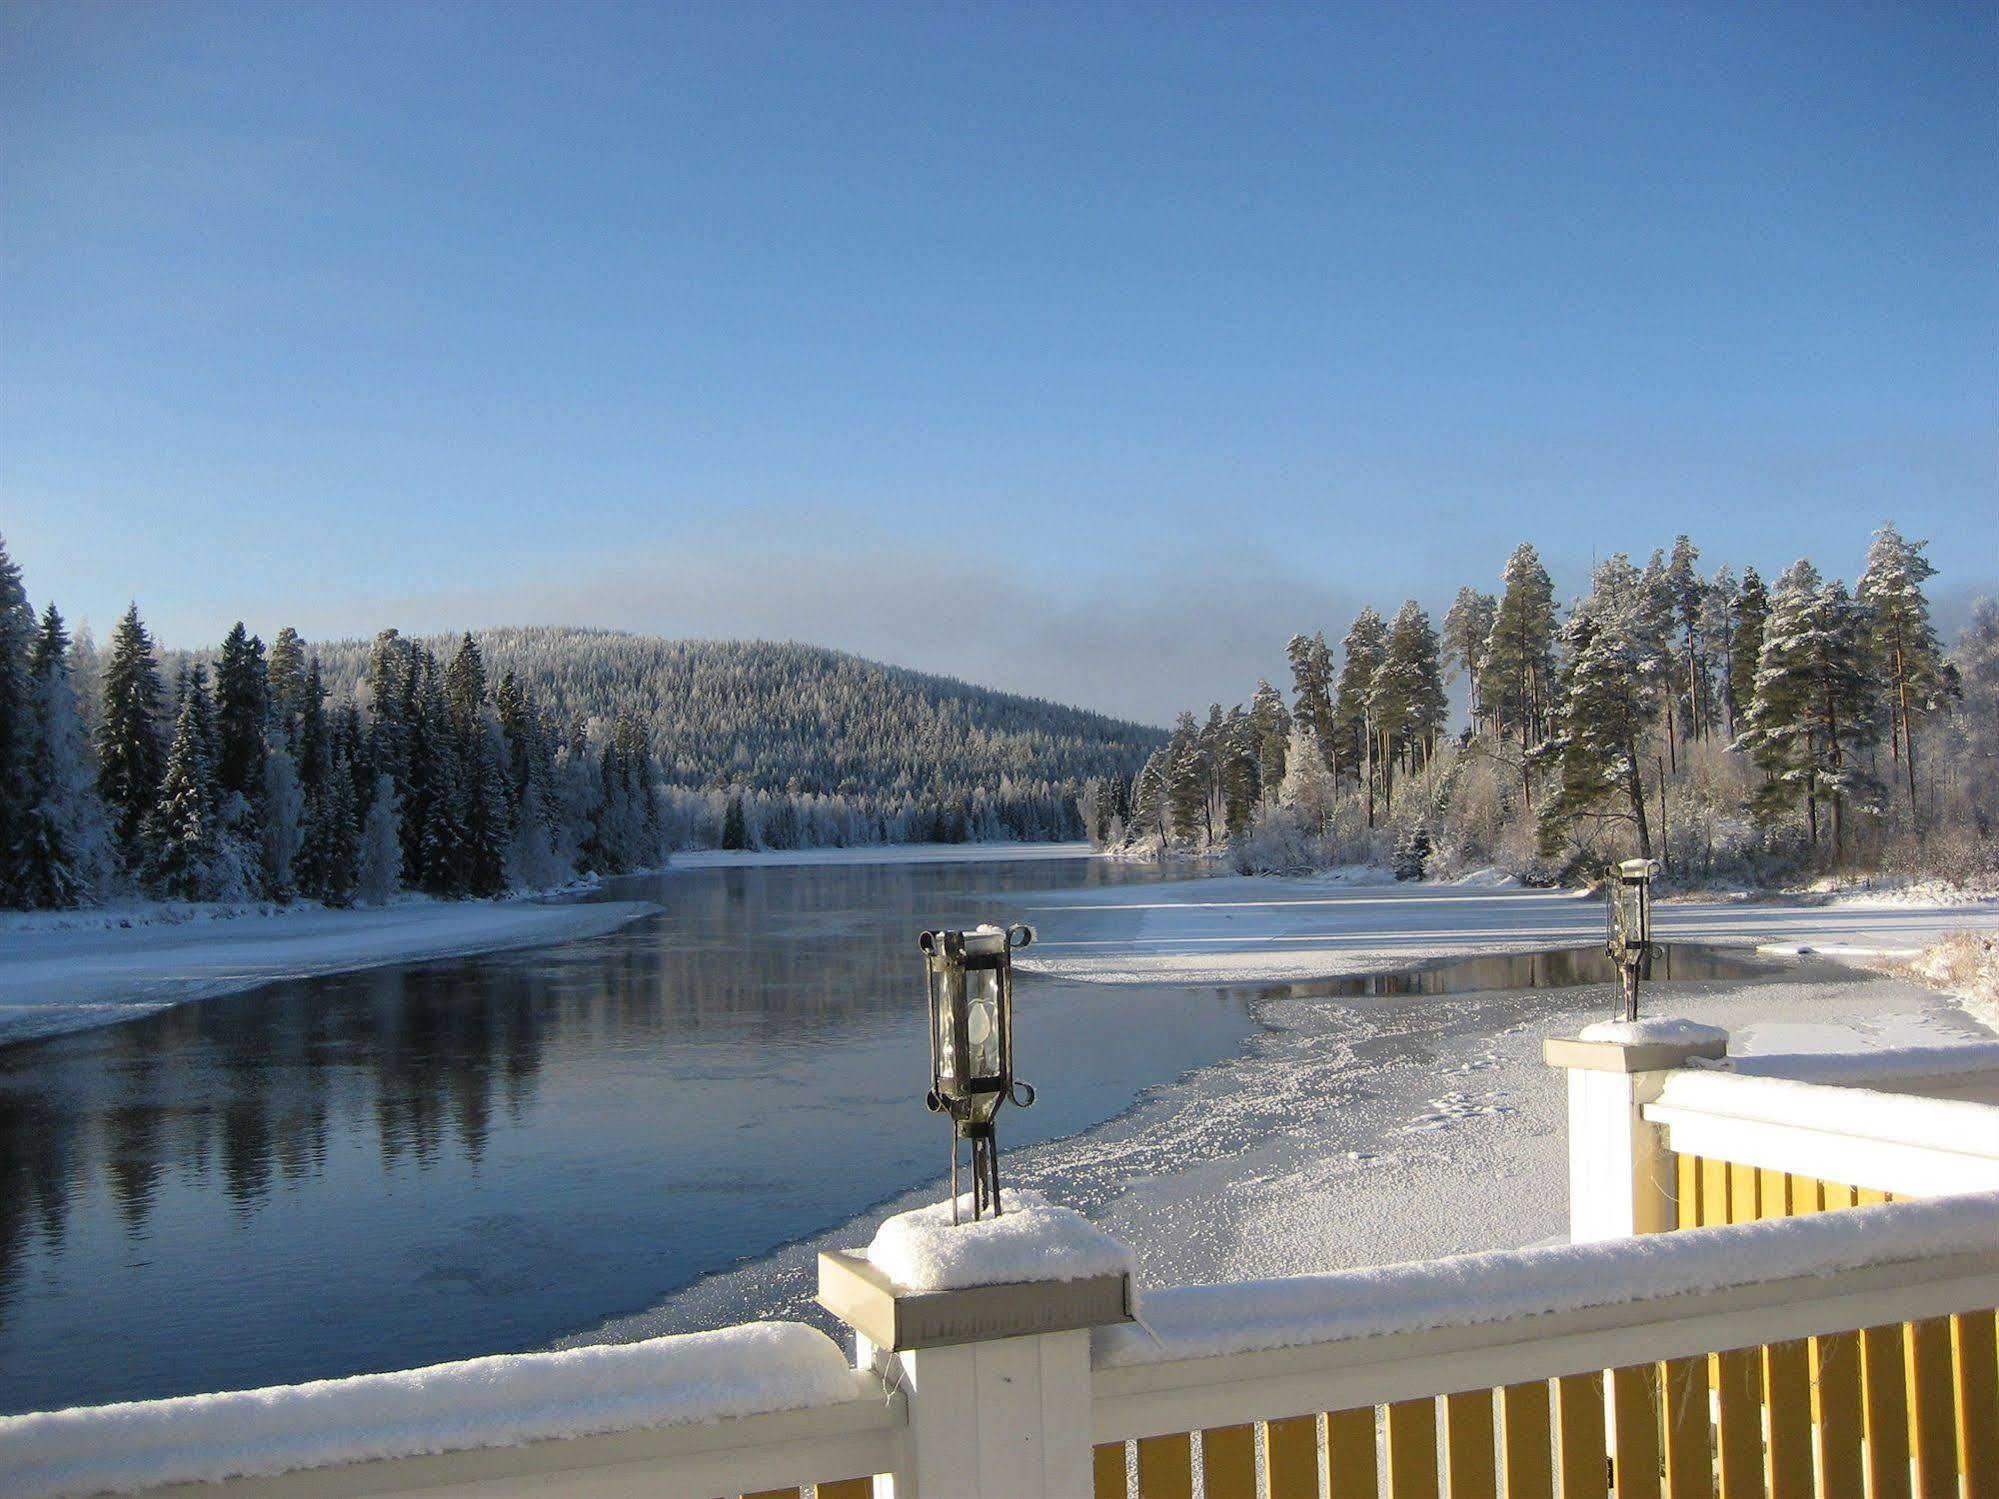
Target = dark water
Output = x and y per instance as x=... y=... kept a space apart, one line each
x=1555 y=968
x=424 y=1163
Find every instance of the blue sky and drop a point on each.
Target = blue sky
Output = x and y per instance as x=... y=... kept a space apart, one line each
x=1084 y=349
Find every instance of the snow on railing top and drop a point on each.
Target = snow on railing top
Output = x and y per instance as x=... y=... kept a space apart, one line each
x=1472 y=1289
x=1954 y=1125
x=484 y=1402
x=1032 y=1239
x=1885 y=1064
x=1661 y=1029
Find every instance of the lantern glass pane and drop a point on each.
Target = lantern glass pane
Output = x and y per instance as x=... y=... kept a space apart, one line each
x=950 y=991
x=982 y=1037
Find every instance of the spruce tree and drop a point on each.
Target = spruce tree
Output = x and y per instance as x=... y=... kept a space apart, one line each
x=1148 y=799
x=130 y=757
x=379 y=859
x=735 y=826
x=185 y=855
x=287 y=673
x=1687 y=591
x=1613 y=681
x=1186 y=781
x=1752 y=611
x=17 y=735
x=1907 y=657
x=242 y=709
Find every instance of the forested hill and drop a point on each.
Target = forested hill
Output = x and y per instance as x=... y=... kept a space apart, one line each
x=812 y=726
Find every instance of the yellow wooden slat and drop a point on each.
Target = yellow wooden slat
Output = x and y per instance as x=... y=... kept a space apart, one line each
x=1107 y=1472
x=1837 y=1418
x=1714 y=1192
x=1291 y=1457
x=1686 y=1191
x=1634 y=1403
x=849 y=1488
x=1166 y=1467
x=1839 y=1195
x=773 y=1494
x=1773 y=1194
x=1933 y=1422
x=1884 y=1393
x=1742 y=1183
x=1469 y=1472
x=1579 y=1437
x=1867 y=1197
x=1787 y=1408
x=1526 y=1436
x=1689 y=1433
x=1975 y=1348
x=1739 y=1422
x=1805 y=1196
x=1228 y=1462
x=1412 y=1449
x=1351 y=1463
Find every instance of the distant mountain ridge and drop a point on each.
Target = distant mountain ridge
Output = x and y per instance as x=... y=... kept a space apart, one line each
x=784 y=720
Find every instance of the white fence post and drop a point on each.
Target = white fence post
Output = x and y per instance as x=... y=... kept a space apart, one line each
x=996 y=1377
x=1621 y=1180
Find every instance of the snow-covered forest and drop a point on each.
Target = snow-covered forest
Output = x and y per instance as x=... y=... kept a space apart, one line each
x=515 y=760
x=1733 y=727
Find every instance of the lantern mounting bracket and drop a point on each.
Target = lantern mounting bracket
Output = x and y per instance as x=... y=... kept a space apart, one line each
x=968 y=977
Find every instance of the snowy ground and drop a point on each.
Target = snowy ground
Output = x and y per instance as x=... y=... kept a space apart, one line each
x=67 y=974
x=1243 y=929
x=1371 y=1130
x=880 y=853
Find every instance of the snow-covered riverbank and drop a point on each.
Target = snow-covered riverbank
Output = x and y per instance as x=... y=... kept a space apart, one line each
x=1247 y=929
x=66 y=975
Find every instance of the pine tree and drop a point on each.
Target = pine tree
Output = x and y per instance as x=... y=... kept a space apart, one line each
x=289 y=683
x=1815 y=704
x=1519 y=654
x=1467 y=626
x=1406 y=699
x=1241 y=777
x=1613 y=683
x=130 y=758
x=1718 y=624
x=1687 y=591
x=17 y=737
x=1365 y=643
x=1907 y=656
x=379 y=862
x=1312 y=686
x=735 y=827
x=1270 y=725
x=1975 y=661
x=68 y=856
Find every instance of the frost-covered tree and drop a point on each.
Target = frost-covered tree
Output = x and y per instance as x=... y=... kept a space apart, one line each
x=1270 y=726
x=1312 y=690
x=189 y=856
x=286 y=671
x=1907 y=657
x=1976 y=662
x=282 y=822
x=1686 y=591
x=1406 y=701
x=1187 y=779
x=1815 y=707
x=1719 y=610
x=1745 y=651
x=1366 y=641
x=130 y=756
x=1467 y=626
x=1519 y=661
x=379 y=860
x=67 y=853
x=1148 y=799
x=242 y=714
x=1308 y=787
x=1611 y=690
x=1238 y=771
x=17 y=739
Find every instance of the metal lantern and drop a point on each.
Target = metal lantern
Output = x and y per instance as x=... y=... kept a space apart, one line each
x=1628 y=925
x=970 y=980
